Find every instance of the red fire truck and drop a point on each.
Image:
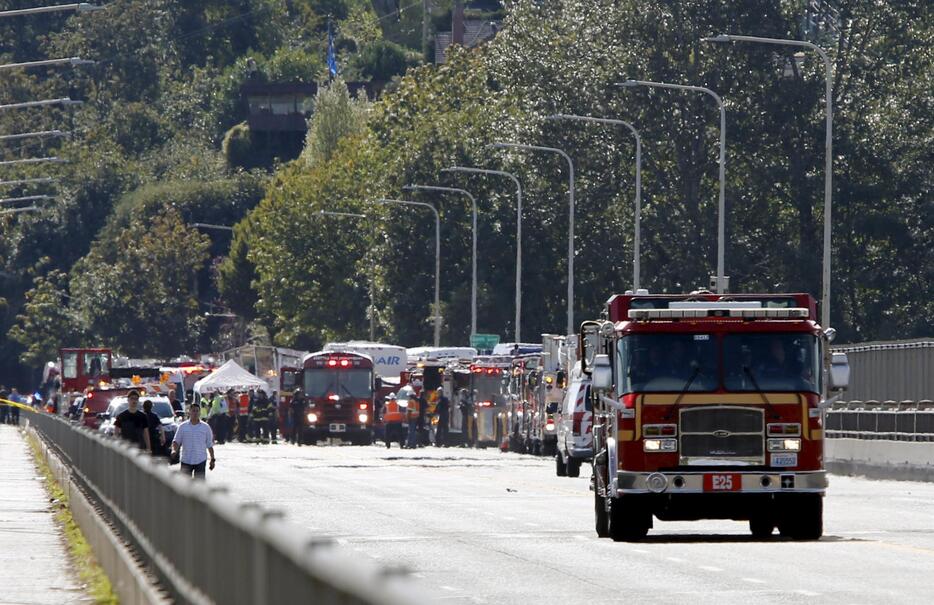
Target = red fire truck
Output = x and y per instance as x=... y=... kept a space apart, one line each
x=83 y=368
x=339 y=388
x=709 y=406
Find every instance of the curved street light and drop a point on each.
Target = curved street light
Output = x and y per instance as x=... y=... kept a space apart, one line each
x=473 y=268
x=437 y=305
x=721 y=202
x=469 y=170
x=562 y=153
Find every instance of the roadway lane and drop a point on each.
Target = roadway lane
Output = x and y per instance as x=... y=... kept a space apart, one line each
x=479 y=526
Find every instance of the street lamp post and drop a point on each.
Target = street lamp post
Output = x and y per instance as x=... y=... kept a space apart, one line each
x=42 y=134
x=65 y=102
x=437 y=310
x=370 y=276
x=721 y=202
x=637 y=237
x=468 y=170
x=828 y=150
x=37 y=181
x=562 y=153
x=25 y=198
x=473 y=268
x=51 y=160
x=79 y=7
x=73 y=61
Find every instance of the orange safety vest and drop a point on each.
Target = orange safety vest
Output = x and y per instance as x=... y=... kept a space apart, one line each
x=413 y=409
x=244 y=404
x=393 y=413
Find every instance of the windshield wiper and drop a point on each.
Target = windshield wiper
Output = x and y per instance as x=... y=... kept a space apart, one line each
x=687 y=385
x=755 y=383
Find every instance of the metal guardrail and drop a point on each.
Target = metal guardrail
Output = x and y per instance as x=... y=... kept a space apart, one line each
x=203 y=547
x=889 y=420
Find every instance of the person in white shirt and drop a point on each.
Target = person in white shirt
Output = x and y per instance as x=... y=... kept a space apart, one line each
x=195 y=440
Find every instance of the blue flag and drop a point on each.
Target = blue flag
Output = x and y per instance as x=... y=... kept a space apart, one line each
x=332 y=57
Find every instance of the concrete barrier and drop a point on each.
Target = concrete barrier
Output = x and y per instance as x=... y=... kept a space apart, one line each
x=880 y=459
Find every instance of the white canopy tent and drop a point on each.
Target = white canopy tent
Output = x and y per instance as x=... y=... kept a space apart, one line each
x=229 y=376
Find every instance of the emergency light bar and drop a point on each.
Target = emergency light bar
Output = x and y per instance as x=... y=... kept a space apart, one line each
x=744 y=312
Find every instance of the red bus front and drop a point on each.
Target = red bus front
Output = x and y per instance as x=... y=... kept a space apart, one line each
x=339 y=389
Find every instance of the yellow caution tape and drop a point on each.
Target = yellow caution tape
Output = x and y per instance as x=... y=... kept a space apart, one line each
x=22 y=406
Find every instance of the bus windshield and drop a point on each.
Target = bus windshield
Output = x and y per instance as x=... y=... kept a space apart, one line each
x=771 y=362
x=356 y=383
x=668 y=363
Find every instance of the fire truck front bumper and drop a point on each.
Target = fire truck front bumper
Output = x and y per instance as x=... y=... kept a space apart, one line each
x=721 y=481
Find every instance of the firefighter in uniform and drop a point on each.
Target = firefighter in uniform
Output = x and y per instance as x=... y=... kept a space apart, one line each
x=297 y=410
x=469 y=423
x=393 y=417
x=262 y=416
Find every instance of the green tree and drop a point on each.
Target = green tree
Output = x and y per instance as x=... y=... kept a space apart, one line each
x=139 y=295
x=336 y=115
x=46 y=321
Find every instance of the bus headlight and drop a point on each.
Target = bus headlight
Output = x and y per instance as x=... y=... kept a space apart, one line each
x=784 y=445
x=312 y=417
x=660 y=445
x=362 y=418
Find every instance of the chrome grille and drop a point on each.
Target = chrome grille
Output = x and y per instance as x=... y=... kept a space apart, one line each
x=711 y=435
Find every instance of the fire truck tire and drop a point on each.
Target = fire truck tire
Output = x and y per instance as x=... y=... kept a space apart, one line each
x=806 y=519
x=761 y=527
x=574 y=467
x=561 y=469
x=629 y=521
x=601 y=518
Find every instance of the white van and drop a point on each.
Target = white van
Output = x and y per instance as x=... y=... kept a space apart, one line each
x=575 y=426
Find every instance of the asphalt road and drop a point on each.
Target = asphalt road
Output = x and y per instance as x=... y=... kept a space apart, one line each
x=480 y=526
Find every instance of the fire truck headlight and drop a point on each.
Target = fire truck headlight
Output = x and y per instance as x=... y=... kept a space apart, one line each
x=312 y=417
x=784 y=445
x=660 y=445
x=362 y=418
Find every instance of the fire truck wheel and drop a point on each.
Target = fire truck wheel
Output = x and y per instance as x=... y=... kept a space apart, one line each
x=561 y=469
x=761 y=527
x=601 y=518
x=629 y=521
x=805 y=520
x=574 y=467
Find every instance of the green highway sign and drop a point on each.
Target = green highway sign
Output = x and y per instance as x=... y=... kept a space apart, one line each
x=484 y=342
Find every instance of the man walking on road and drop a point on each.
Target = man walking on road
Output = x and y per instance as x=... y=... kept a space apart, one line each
x=15 y=397
x=195 y=440
x=156 y=434
x=4 y=407
x=131 y=424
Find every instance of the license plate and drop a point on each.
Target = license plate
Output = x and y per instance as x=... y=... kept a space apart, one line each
x=338 y=428
x=784 y=459
x=723 y=482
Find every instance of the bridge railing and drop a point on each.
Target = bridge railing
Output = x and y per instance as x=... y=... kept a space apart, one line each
x=888 y=420
x=206 y=548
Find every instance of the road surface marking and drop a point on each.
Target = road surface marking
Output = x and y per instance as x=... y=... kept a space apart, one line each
x=808 y=593
x=754 y=580
x=532 y=524
x=709 y=568
x=579 y=537
x=640 y=551
x=675 y=559
x=451 y=588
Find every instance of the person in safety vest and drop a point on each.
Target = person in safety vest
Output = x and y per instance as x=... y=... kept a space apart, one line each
x=243 y=418
x=393 y=416
x=412 y=417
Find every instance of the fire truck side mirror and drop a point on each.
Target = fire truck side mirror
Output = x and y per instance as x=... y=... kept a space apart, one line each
x=839 y=374
x=602 y=376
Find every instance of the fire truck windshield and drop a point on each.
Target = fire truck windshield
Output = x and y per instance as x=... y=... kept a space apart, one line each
x=771 y=362
x=356 y=383
x=489 y=387
x=668 y=363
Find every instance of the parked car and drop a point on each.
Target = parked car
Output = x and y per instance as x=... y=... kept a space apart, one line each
x=160 y=406
x=575 y=426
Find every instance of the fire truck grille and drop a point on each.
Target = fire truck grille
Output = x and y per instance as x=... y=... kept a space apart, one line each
x=722 y=434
